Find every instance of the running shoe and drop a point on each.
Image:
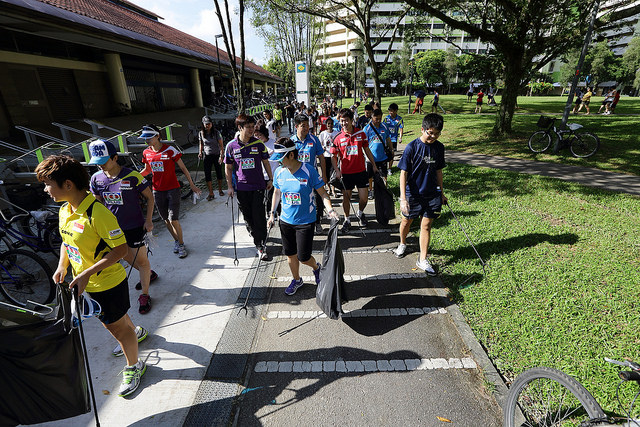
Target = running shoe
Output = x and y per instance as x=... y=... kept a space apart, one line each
x=154 y=276
x=131 y=378
x=345 y=227
x=176 y=247
x=182 y=251
x=370 y=194
x=141 y=333
x=389 y=172
x=400 y=251
x=319 y=229
x=425 y=265
x=294 y=286
x=363 y=219
x=316 y=273
x=262 y=254
x=145 y=304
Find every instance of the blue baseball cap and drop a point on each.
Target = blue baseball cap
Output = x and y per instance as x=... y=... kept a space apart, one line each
x=148 y=132
x=279 y=151
x=101 y=151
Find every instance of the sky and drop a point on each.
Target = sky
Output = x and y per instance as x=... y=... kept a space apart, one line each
x=198 y=18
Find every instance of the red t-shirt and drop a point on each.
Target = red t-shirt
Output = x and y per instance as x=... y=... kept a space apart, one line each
x=323 y=122
x=480 y=96
x=163 y=167
x=349 y=148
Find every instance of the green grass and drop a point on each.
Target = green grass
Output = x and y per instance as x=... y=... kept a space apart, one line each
x=561 y=288
x=466 y=131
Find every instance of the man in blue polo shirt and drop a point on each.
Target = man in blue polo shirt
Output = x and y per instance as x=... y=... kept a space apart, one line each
x=379 y=139
x=396 y=127
x=309 y=149
x=421 y=193
x=245 y=157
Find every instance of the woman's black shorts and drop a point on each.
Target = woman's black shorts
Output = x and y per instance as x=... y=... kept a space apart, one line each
x=114 y=302
x=297 y=239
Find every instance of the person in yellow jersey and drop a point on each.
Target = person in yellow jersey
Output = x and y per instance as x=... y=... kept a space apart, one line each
x=93 y=243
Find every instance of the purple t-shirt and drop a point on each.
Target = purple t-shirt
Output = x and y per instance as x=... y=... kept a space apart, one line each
x=121 y=195
x=247 y=163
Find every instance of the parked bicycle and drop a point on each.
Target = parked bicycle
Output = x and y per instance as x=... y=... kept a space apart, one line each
x=25 y=277
x=580 y=142
x=37 y=230
x=549 y=397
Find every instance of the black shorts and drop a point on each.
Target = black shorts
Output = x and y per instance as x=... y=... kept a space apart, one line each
x=394 y=143
x=586 y=102
x=478 y=102
x=382 y=168
x=168 y=203
x=297 y=239
x=135 y=237
x=359 y=180
x=114 y=302
x=428 y=207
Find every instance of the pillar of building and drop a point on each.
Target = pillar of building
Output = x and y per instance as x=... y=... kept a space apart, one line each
x=253 y=85
x=196 y=88
x=265 y=86
x=117 y=80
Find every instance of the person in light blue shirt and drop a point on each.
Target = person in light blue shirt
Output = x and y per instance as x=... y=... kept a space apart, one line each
x=309 y=152
x=294 y=185
x=380 y=144
x=396 y=128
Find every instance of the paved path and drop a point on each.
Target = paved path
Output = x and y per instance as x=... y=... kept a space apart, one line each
x=587 y=176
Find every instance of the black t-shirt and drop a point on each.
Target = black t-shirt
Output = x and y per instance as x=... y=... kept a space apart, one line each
x=362 y=122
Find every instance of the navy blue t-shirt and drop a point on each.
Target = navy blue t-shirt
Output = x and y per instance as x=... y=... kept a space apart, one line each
x=421 y=161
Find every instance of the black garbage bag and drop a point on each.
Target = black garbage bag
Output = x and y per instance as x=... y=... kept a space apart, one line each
x=330 y=293
x=335 y=181
x=385 y=206
x=42 y=370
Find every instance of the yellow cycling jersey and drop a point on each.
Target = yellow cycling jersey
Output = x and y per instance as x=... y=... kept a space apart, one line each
x=88 y=234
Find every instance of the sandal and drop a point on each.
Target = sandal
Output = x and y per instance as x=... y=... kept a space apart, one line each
x=221 y=193
x=210 y=197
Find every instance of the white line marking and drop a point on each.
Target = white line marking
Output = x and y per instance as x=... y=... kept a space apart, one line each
x=371 y=312
x=382 y=365
x=352 y=278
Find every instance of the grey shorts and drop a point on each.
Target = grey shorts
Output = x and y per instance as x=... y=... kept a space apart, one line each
x=168 y=203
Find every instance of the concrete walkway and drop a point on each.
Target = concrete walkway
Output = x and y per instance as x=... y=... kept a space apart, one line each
x=586 y=176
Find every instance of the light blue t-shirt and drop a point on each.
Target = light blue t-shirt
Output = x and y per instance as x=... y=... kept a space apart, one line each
x=375 y=145
x=308 y=149
x=298 y=198
x=394 y=125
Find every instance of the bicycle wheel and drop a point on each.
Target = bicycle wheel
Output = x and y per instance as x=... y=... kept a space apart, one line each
x=24 y=276
x=52 y=238
x=584 y=144
x=540 y=141
x=549 y=397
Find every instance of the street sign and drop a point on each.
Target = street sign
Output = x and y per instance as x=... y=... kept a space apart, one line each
x=302 y=82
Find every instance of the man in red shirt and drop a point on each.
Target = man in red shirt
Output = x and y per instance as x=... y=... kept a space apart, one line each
x=350 y=146
x=160 y=160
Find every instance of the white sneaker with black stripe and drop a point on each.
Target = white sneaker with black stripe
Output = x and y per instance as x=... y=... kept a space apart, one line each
x=141 y=334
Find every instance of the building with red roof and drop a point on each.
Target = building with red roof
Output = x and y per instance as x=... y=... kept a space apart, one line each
x=63 y=60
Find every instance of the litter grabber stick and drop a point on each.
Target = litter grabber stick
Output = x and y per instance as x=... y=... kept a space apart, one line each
x=484 y=264
x=133 y=262
x=246 y=300
x=86 y=357
x=233 y=228
x=354 y=211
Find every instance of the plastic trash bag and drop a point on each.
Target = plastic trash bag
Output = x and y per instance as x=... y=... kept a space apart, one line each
x=330 y=293
x=43 y=371
x=335 y=181
x=385 y=206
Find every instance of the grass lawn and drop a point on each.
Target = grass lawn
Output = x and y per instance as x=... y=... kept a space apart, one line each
x=463 y=130
x=561 y=288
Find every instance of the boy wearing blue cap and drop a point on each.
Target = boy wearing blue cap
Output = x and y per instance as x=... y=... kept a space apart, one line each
x=119 y=189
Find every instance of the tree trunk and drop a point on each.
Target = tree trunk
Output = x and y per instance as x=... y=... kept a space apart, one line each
x=514 y=73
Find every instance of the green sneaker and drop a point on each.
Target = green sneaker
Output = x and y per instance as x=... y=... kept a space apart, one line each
x=131 y=378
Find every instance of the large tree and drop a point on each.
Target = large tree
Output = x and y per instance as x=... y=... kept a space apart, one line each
x=526 y=34
x=359 y=16
x=630 y=67
x=227 y=35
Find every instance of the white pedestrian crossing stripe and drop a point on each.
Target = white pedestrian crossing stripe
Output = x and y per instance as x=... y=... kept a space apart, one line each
x=354 y=277
x=423 y=364
x=369 y=312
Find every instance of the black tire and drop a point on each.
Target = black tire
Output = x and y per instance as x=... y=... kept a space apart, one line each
x=52 y=238
x=548 y=397
x=540 y=141
x=25 y=276
x=584 y=144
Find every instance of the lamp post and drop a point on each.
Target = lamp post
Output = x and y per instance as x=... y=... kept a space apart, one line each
x=354 y=51
x=218 y=53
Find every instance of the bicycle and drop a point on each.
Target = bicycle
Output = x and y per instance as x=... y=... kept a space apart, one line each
x=582 y=144
x=548 y=397
x=25 y=277
x=38 y=229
